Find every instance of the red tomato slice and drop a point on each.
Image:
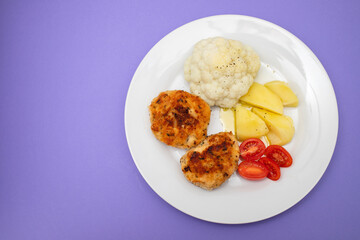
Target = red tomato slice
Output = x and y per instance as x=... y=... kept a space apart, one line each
x=252 y=170
x=252 y=149
x=279 y=155
x=271 y=165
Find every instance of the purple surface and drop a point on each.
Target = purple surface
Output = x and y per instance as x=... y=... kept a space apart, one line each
x=65 y=168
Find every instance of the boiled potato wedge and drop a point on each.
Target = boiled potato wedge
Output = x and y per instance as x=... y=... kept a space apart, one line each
x=248 y=124
x=281 y=127
x=262 y=97
x=227 y=116
x=282 y=89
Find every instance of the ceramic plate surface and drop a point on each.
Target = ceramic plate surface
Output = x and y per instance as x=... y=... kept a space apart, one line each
x=283 y=57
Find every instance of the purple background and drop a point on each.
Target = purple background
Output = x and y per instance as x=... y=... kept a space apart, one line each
x=65 y=168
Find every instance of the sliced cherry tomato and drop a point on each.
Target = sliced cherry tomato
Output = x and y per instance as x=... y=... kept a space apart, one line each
x=252 y=170
x=252 y=149
x=271 y=165
x=279 y=155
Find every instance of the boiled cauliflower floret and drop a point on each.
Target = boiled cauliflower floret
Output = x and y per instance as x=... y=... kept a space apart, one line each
x=220 y=70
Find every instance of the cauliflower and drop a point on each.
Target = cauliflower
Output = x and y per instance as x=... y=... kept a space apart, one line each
x=220 y=70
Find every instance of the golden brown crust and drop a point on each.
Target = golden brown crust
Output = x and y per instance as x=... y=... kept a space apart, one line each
x=212 y=162
x=179 y=119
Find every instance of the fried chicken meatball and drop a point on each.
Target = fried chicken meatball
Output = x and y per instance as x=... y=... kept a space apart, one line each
x=179 y=119
x=212 y=162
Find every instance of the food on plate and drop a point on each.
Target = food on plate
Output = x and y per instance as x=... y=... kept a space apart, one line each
x=221 y=73
x=211 y=163
x=221 y=70
x=179 y=119
x=252 y=149
x=281 y=127
x=253 y=170
x=227 y=118
x=265 y=140
x=279 y=155
x=248 y=124
x=268 y=107
x=272 y=166
x=262 y=97
x=282 y=89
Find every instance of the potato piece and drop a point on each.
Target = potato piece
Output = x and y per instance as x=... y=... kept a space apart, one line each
x=273 y=138
x=281 y=127
x=265 y=140
x=260 y=96
x=227 y=117
x=248 y=124
x=285 y=93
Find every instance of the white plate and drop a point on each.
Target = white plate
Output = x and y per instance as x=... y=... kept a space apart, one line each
x=283 y=57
